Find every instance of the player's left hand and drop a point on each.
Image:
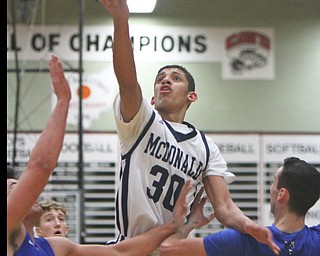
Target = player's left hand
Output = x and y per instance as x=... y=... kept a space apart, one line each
x=181 y=207
x=197 y=218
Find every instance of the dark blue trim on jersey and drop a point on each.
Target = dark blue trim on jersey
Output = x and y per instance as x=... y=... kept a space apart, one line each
x=125 y=179
x=181 y=136
x=117 y=211
x=124 y=197
x=117 y=204
x=206 y=146
x=144 y=131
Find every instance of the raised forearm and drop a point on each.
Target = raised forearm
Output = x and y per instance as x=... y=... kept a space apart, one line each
x=47 y=149
x=123 y=59
x=226 y=211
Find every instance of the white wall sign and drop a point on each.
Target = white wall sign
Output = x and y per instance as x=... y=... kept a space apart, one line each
x=278 y=147
x=96 y=147
x=246 y=53
x=237 y=148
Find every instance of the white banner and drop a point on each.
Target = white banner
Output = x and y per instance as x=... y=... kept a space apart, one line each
x=96 y=147
x=246 y=53
x=236 y=148
x=161 y=42
x=278 y=147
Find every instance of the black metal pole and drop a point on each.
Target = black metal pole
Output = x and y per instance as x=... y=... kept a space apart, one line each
x=16 y=114
x=80 y=173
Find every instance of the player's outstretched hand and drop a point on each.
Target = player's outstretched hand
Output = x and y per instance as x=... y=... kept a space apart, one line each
x=116 y=7
x=60 y=84
x=181 y=207
x=197 y=218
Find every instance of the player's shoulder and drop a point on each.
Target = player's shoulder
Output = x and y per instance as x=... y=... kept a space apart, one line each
x=315 y=228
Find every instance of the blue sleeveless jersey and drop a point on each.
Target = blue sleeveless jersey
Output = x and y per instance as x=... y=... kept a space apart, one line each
x=40 y=247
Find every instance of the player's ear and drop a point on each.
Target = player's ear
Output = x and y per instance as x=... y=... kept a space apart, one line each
x=283 y=194
x=152 y=100
x=192 y=96
x=39 y=232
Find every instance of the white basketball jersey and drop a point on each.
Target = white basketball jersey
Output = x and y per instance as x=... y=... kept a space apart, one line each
x=154 y=167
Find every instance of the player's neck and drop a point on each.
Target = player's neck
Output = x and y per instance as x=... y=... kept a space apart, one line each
x=171 y=117
x=289 y=223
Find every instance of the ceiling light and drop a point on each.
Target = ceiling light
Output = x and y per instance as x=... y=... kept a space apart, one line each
x=141 y=6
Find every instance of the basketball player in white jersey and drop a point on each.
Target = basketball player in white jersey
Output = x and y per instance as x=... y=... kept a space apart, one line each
x=159 y=150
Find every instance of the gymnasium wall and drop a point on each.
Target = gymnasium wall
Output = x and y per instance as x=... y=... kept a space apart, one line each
x=288 y=102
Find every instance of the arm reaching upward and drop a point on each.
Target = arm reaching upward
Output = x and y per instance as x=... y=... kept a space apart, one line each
x=123 y=59
x=45 y=153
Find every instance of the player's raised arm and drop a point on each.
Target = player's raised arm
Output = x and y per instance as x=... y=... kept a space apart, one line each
x=123 y=59
x=44 y=155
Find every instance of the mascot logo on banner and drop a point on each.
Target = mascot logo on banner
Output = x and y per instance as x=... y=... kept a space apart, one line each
x=247 y=51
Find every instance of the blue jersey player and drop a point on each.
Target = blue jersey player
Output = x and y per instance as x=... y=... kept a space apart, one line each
x=295 y=189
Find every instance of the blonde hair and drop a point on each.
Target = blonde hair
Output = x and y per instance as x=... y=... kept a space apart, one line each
x=50 y=204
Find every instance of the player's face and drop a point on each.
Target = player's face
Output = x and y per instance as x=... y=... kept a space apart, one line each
x=52 y=223
x=274 y=191
x=171 y=90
